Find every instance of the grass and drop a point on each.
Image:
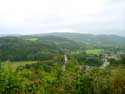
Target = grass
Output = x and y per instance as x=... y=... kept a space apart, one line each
x=32 y=39
x=94 y=51
x=15 y=64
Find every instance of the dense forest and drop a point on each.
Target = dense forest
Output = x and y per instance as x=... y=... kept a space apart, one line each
x=62 y=63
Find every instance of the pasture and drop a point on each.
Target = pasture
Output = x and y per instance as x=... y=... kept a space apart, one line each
x=95 y=51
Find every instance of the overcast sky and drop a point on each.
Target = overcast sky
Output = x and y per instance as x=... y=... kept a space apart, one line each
x=42 y=16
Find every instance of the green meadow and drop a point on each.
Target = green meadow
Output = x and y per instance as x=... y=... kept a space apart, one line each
x=95 y=51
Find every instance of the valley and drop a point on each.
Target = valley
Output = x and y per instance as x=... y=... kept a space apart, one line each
x=62 y=63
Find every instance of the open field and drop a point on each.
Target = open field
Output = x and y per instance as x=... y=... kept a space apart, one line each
x=94 y=51
x=32 y=39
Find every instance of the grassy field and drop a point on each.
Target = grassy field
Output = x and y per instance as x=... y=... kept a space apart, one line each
x=94 y=51
x=14 y=65
x=32 y=39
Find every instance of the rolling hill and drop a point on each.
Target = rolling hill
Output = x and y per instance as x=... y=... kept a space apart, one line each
x=93 y=40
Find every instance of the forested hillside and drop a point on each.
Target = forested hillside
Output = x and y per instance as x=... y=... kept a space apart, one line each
x=93 y=40
x=13 y=48
x=34 y=48
x=47 y=46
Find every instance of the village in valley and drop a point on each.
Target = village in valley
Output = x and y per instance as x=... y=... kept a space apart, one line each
x=105 y=57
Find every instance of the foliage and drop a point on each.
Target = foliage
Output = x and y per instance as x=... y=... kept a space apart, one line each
x=49 y=78
x=35 y=65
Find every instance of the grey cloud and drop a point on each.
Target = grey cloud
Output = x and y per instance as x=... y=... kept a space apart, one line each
x=113 y=12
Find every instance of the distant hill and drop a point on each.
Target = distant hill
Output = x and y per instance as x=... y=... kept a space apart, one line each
x=47 y=46
x=77 y=40
x=34 y=48
x=93 y=40
x=61 y=42
x=14 y=48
